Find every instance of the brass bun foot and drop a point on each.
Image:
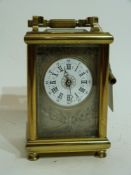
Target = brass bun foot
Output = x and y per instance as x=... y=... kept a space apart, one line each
x=33 y=156
x=101 y=154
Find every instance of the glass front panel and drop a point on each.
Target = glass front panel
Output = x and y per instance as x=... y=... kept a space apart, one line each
x=67 y=91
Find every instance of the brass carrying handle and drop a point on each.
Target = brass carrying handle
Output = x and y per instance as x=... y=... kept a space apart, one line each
x=39 y=21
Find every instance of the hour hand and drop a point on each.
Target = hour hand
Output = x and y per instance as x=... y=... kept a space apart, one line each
x=65 y=73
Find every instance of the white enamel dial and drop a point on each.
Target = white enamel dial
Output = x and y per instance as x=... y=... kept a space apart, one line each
x=68 y=82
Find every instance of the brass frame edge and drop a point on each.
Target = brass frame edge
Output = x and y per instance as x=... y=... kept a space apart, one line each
x=31 y=93
x=67 y=38
x=103 y=105
x=70 y=147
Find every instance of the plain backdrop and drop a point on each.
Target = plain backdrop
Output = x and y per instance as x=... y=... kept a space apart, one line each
x=114 y=18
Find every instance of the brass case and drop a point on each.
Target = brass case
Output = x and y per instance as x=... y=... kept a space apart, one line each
x=97 y=145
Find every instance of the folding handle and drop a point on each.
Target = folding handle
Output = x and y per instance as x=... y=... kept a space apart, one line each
x=62 y=23
x=39 y=21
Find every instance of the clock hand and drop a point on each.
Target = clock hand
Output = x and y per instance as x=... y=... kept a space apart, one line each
x=70 y=90
x=65 y=73
x=68 y=84
x=68 y=81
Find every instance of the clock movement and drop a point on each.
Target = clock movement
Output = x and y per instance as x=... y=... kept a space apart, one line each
x=68 y=85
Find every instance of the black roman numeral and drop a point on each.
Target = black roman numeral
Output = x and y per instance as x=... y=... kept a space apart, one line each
x=68 y=66
x=53 y=73
x=77 y=96
x=83 y=73
x=52 y=82
x=60 y=68
x=81 y=89
x=60 y=95
x=83 y=81
x=77 y=67
x=69 y=97
x=54 y=90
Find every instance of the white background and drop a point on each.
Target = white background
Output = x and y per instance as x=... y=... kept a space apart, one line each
x=115 y=17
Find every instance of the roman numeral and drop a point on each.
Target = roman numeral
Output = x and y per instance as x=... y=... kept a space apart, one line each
x=60 y=95
x=81 y=89
x=52 y=82
x=68 y=66
x=53 y=73
x=77 y=67
x=83 y=73
x=76 y=95
x=83 y=81
x=69 y=97
x=54 y=90
x=60 y=68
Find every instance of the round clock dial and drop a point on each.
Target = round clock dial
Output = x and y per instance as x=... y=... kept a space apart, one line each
x=68 y=82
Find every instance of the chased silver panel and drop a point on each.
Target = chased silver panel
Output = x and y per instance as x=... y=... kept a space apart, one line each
x=54 y=121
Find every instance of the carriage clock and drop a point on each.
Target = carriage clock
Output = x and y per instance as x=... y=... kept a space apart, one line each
x=68 y=84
